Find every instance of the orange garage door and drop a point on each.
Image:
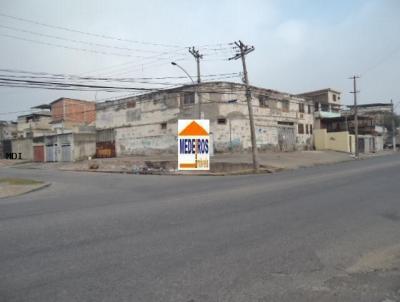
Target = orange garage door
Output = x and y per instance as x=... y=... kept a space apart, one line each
x=38 y=153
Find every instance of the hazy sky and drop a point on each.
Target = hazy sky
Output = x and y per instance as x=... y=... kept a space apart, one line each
x=299 y=45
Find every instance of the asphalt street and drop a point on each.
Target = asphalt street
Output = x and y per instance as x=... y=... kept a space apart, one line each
x=327 y=233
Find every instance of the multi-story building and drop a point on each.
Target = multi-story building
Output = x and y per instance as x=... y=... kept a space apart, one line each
x=327 y=104
x=381 y=113
x=148 y=123
x=71 y=115
x=34 y=124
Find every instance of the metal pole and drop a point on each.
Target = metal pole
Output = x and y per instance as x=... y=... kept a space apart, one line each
x=355 y=113
x=393 y=127
x=244 y=50
x=196 y=54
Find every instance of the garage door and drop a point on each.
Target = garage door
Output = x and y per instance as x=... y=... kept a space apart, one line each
x=66 y=153
x=50 y=153
x=38 y=153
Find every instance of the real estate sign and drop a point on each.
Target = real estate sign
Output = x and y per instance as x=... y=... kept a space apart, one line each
x=193 y=145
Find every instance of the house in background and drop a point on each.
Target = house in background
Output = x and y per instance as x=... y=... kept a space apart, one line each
x=339 y=134
x=63 y=130
x=34 y=124
x=379 y=113
x=73 y=132
x=327 y=104
x=8 y=131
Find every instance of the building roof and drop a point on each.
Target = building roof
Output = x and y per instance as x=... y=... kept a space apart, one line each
x=318 y=92
x=41 y=113
x=42 y=106
x=344 y=118
x=371 y=105
x=226 y=87
x=64 y=98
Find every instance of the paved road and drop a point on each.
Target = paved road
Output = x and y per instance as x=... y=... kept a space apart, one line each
x=328 y=233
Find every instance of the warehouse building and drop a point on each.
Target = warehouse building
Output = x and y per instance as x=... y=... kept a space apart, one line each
x=147 y=123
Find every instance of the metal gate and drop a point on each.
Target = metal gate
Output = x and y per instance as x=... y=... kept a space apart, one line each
x=38 y=153
x=286 y=138
x=51 y=154
x=361 y=145
x=105 y=143
x=66 y=153
x=6 y=148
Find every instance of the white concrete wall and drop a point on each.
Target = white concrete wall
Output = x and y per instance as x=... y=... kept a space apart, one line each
x=23 y=146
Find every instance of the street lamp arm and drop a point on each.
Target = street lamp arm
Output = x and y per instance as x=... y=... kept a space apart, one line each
x=181 y=68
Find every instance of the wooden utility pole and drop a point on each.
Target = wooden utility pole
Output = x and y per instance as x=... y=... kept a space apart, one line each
x=354 y=92
x=196 y=54
x=393 y=127
x=244 y=50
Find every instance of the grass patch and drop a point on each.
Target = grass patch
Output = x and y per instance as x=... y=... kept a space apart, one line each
x=19 y=181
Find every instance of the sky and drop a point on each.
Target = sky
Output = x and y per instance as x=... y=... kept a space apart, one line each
x=300 y=45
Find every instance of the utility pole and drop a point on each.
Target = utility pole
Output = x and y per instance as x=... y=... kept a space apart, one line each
x=355 y=91
x=244 y=50
x=393 y=127
x=196 y=54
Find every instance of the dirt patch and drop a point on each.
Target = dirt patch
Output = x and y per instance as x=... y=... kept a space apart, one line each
x=17 y=186
x=19 y=181
x=379 y=260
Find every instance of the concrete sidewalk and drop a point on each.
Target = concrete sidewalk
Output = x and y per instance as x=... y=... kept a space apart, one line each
x=220 y=163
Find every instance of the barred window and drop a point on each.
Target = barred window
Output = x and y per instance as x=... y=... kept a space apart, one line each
x=300 y=129
x=188 y=98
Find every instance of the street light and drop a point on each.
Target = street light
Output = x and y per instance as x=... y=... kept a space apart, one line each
x=180 y=67
x=196 y=86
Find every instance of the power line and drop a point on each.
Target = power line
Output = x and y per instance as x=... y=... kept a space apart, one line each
x=74 y=48
x=86 y=33
x=77 y=41
x=66 y=47
x=34 y=74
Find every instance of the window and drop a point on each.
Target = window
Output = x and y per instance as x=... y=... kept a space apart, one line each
x=285 y=123
x=316 y=106
x=131 y=104
x=285 y=106
x=188 y=98
x=310 y=129
x=263 y=100
x=221 y=121
x=309 y=108
x=163 y=125
x=301 y=107
x=334 y=97
x=306 y=128
x=300 y=129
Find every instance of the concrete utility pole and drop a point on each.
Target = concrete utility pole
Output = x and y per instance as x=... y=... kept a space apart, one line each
x=196 y=54
x=355 y=91
x=244 y=50
x=393 y=127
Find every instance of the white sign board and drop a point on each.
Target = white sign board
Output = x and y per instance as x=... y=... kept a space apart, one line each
x=193 y=145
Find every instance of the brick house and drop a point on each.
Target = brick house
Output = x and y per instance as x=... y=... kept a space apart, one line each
x=68 y=115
